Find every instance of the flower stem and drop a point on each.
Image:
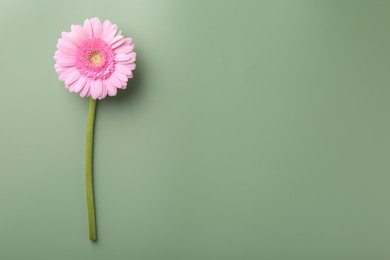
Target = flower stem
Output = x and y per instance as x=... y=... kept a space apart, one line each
x=88 y=169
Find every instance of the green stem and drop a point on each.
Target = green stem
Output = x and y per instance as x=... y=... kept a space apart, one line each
x=88 y=169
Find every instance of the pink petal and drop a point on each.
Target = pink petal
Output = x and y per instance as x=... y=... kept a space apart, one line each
x=69 y=40
x=108 y=31
x=125 y=48
x=96 y=27
x=80 y=84
x=85 y=92
x=72 y=86
x=64 y=60
x=77 y=34
x=111 y=89
x=66 y=51
x=123 y=69
x=61 y=69
x=115 y=81
x=117 y=41
x=72 y=78
x=126 y=57
x=69 y=66
x=104 y=92
x=122 y=77
x=66 y=63
x=88 y=28
x=68 y=44
x=59 y=54
x=126 y=62
x=67 y=73
x=129 y=41
x=96 y=88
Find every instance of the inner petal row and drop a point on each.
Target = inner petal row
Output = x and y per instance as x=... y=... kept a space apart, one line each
x=95 y=59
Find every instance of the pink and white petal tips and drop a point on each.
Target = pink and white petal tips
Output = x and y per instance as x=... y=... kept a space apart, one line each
x=94 y=59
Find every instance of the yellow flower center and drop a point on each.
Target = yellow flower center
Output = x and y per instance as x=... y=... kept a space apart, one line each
x=96 y=59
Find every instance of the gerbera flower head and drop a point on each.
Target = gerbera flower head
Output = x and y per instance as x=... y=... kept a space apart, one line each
x=94 y=59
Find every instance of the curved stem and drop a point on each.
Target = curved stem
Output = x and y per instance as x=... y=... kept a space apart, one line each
x=88 y=169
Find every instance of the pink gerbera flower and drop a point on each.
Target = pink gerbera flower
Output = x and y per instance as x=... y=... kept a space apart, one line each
x=94 y=60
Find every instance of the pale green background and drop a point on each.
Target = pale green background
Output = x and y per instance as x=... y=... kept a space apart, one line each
x=252 y=130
